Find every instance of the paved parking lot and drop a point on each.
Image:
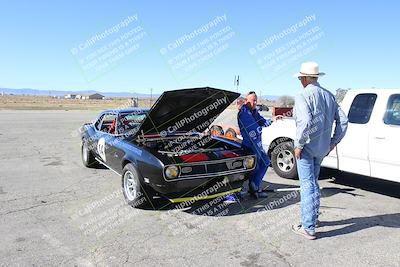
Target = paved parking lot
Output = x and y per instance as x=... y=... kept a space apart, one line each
x=54 y=211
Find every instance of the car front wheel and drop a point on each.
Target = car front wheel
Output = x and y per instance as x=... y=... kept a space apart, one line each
x=132 y=187
x=284 y=161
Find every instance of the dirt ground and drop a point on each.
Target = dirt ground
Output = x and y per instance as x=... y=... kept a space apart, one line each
x=51 y=103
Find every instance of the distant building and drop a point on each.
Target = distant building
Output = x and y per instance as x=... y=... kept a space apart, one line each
x=93 y=96
x=70 y=96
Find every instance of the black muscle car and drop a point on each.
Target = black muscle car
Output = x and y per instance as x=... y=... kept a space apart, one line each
x=166 y=151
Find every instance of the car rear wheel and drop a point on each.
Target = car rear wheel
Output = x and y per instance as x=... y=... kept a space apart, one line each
x=284 y=161
x=132 y=188
x=88 y=159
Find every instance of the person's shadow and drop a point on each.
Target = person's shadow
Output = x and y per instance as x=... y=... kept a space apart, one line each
x=360 y=223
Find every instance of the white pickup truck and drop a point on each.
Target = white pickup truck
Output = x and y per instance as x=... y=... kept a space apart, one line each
x=371 y=146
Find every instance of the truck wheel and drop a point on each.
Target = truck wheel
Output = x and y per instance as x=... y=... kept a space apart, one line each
x=284 y=161
x=216 y=130
x=88 y=159
x=133 y=190
x=230 y=133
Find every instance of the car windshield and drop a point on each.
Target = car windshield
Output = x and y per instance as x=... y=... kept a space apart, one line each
x=129 y=122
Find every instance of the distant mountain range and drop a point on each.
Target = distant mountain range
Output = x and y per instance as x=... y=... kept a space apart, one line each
x=38 y=92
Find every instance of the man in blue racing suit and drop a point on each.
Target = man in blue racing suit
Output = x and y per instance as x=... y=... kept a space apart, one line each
x=250 y=124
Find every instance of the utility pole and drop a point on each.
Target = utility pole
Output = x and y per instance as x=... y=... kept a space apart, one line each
x=151 y=96
x=236 y=82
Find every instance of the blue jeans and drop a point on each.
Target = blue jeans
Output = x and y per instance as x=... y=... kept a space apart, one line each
x=308 y=168
x=262 y=165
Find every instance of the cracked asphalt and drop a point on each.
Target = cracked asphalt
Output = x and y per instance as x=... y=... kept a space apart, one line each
x=53 y=211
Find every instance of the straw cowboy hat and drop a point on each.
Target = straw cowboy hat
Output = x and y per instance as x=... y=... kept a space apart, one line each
x=309 y=69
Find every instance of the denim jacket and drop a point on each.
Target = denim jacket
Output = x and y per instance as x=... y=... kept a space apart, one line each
x=315 y=112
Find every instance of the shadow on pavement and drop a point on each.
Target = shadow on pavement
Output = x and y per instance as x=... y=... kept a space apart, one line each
x=275 y=200
x=383 y=187
x=360 y=223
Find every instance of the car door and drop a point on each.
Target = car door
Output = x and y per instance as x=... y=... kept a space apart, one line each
x=106 y=136
x=353 y=149
x=93 y=136
x=122 y=145
x=116 y=146
x=385 y=141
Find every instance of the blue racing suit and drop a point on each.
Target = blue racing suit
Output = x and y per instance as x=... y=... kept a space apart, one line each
x=250 y=123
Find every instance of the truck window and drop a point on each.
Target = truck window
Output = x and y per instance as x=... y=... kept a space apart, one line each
x=361 y=108
x=392 y=115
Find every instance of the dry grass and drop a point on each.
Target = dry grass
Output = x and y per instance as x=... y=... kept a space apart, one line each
x=50 y=103
x=45 y=102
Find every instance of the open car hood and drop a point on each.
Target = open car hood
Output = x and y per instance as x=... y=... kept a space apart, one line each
x=186 y=110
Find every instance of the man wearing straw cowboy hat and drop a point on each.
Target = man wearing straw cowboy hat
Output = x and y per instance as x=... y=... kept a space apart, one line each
x=315 y=112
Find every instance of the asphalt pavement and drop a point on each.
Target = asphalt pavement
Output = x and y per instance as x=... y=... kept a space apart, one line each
x=54 y=211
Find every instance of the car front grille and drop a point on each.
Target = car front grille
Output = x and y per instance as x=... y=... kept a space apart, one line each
x=225 y=166
x=211 y=168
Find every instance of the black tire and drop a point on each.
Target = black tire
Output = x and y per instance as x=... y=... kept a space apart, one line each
x=88 y=159
x=230 y=133
x=216 y=130
x=283 y=160
x=134 y=191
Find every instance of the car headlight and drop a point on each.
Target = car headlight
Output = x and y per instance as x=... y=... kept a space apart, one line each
x=171 y=171
x=249 y=162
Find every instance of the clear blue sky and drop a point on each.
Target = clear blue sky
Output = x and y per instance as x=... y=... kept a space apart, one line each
x=359 y=47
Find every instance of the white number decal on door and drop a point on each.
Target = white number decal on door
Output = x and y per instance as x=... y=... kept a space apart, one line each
x=101 y=148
